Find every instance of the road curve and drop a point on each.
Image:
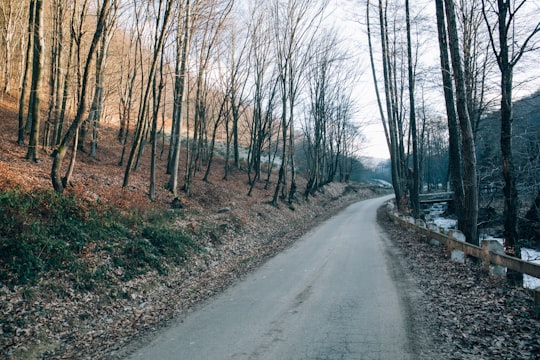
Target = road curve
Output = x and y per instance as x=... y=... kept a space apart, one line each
x=329 y=296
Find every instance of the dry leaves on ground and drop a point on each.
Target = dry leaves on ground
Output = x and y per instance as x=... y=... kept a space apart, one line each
x=469 y=314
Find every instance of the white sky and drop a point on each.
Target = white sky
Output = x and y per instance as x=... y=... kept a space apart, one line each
x=349 y=17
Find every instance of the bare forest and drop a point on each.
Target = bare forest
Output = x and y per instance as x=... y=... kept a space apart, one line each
x=186 y=81
x=451 y=120
x=151 y=152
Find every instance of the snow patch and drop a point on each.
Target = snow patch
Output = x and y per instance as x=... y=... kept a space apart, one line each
x=530 y=255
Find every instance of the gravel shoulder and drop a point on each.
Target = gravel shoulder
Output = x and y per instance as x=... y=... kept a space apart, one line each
x=456 y=310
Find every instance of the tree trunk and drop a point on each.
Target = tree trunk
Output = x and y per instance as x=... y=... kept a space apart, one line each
x=145 y=96
x=180 y=81
x=35 y=89
x=510 y=192
x=391 y=109
x=59 y=125
x=469 y=225
x=455 y=152
x=24 y=81
x=415 y=191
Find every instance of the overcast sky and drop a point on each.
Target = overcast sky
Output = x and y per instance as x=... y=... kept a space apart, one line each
x=349 y=17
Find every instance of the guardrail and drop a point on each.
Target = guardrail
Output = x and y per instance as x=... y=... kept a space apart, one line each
x=489 y=252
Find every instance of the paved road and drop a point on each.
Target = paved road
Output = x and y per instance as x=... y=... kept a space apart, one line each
x=329 y=296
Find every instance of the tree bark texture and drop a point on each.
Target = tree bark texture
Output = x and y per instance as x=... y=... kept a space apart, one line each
x=34 y=110
x=469 y=223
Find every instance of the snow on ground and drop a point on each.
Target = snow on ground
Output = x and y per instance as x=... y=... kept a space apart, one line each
x=446 y=224
x=435 y=215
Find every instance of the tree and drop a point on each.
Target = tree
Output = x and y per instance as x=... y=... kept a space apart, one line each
x=59 y=154
x=415 y=189
x=263 y=95
x=96 y=109
x=463 y=161
x=508 y=50
x=295 y=26
x=391 y=112
x=328 y=132
x=24 y=80
x=11 y=15
x=183 y=39
x=162 y=22
x=217 y=13
x=34 y=109
x=56 y=50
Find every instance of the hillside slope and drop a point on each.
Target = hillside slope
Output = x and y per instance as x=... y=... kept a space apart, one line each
x=93 y=313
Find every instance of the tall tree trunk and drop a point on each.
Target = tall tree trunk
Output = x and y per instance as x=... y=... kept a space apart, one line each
x=158 y=92
x=415 y=191
x=391 y=109
x=96 y=108
x=35 y=89
x=143 y=109
x=455 y=152
x=48 y=138
x=469 y=226
x=180 y=81
x=59 y=125
x=24 y=80
x=510 y=192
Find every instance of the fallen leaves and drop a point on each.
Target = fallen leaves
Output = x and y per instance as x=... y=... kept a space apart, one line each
x=57 y=320
x=471 y=315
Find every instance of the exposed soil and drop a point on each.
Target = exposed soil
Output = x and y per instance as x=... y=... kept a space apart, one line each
x=458 y=311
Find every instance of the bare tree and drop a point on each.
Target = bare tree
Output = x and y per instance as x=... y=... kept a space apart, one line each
x=60 y=153
x=24 y=79
x=415 y=188
x=183 y=38
x=164 y=11
x=102 y=53
x=508 y=48
x=263 y=94
x=216 y=14
x=11 y=22
x=56 y=50
x=464 y=164
x=34 y=109
x=327 y=126
x=391 y=112
x=295 y=25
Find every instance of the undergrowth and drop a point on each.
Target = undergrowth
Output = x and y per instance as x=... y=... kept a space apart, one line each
x=42 y=232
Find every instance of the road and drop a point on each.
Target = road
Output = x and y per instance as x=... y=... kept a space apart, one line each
x=329 y=296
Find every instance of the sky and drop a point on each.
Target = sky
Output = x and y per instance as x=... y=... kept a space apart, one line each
x=348 y=17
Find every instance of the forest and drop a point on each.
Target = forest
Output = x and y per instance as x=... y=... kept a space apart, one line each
x=185 y=78
x=485 y=144
x=174 y=144
x=270 y=89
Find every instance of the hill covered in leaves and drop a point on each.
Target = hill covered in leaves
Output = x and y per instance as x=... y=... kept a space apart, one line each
x=84 y=272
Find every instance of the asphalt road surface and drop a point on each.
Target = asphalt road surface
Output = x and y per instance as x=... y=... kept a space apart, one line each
x=329 y=296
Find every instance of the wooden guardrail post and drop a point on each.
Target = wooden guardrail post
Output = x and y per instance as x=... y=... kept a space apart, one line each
x=492 y=246
x=485 y=255
x=536 y=308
